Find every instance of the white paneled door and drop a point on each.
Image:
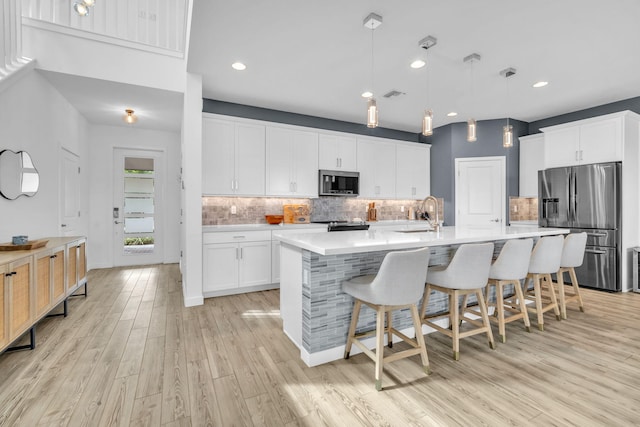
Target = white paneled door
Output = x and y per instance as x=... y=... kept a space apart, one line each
x=480 y=191
x=138 y=207
x=69 y=192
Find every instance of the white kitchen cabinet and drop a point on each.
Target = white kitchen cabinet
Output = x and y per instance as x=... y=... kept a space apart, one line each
x=377 y=167
x=586 y=141
x=233 y=158
x=235 y=262
x=337 y=152
x=532 y=151
x=412 y=171
x=291 y=162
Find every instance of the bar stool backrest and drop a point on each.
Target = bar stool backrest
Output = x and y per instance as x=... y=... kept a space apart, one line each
x=546 y=255
x=573 y=250
x=513 y=261
x=401 y=277
x=469 y=267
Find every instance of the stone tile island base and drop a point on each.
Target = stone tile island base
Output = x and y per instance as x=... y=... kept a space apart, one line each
x=316 y=313
x=318 y=322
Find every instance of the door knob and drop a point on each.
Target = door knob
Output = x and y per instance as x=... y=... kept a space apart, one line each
x=117 y=222
x=495 y=220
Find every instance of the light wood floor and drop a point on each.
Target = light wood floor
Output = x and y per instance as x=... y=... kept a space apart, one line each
x=130 y=354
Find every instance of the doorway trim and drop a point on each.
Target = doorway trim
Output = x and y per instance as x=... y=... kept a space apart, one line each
x=160 y=182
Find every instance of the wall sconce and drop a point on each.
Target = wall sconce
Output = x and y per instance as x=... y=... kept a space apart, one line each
x=130 y=117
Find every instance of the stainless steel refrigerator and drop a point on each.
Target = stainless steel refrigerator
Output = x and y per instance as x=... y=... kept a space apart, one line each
x=586 y=198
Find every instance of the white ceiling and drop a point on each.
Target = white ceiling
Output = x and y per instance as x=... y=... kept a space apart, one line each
x=103 y=102
x=314 y=57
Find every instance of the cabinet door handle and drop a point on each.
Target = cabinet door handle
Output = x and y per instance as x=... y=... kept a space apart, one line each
x=337 y=162
x=580 y=154
x=239 y=237
x=577 y=155
x=241 y=253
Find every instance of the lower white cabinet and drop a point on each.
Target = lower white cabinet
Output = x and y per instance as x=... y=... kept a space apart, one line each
x=232 y=261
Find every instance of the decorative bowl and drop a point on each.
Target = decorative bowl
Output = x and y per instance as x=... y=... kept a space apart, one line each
x=274 y=219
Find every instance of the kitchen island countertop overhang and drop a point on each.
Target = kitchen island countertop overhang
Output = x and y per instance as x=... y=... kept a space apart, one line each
x=316 y=313
x=351 y=242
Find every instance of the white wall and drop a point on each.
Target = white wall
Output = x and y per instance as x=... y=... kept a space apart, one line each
x=35 y=118
x=59 y=52
x=103 y=140
x=191 y=244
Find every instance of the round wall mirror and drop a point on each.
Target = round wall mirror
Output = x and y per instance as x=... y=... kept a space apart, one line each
x=18 y=175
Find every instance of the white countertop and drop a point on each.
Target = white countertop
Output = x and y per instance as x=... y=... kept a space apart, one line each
x=345 y=242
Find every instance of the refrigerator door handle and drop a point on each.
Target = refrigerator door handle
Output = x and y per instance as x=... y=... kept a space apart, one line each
x=595 y=251
x=573 y=192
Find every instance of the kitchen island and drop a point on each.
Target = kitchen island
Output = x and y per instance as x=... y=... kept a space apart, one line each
x=315 y=311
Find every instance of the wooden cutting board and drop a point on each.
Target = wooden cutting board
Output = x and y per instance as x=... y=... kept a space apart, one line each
x=293 y=212
x=31 y=244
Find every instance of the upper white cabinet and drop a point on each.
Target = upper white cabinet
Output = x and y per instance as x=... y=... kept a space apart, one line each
x=233 y=158
x=337 y=152
x=377 y=167
x=587 y=141
x=532 y=151
x=413 y=171
x=292 y=162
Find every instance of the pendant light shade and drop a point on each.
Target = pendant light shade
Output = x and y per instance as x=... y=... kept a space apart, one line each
x=507 y=131
x=471 y=130
x=507 y=136
x=372 y=113
x=427 y=123
x=372 y=21
x=82 y=8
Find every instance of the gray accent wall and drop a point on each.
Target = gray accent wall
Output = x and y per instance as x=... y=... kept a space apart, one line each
x=276 y=116
x=450 y=142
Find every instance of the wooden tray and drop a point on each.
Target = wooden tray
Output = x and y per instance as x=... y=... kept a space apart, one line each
x=31 y=244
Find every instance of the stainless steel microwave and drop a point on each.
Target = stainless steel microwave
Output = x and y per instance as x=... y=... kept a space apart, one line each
x=338 y=183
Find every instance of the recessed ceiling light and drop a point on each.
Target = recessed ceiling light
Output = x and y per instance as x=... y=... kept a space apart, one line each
x=452 y=114
x=238 y=66
x=366 y=94
x=418 y=63
x=540 y=84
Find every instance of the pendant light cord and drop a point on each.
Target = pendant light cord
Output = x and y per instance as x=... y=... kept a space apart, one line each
x=372 y=64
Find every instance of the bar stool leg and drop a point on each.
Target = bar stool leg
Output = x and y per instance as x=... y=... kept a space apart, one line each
x=417 y=324
x=538 y=297
x=455 y=323
x=563 y=302
x=523 y=305
x=576 y=287
x=379 y=345
x=500 y=310
x=552 y=292
x=485 y=318
x=352 y=327
x=389 y=326
x=425 y=301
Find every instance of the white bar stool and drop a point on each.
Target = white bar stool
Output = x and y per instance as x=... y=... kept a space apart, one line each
x=545 y=260
x=399 y=284
x=572 y=256
x=466 y=274
x=509 y=268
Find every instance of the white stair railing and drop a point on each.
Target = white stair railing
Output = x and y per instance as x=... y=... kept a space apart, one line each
x=155 y=25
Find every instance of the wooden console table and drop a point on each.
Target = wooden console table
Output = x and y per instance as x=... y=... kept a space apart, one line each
x=36 y=281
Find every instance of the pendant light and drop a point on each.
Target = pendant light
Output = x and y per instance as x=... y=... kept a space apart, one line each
x=427 y=118
x=507 y=131
x=372 y=21
x=471 y=123
x=82 y=8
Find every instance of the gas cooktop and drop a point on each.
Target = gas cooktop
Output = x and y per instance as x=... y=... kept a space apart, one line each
x=344 y=225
